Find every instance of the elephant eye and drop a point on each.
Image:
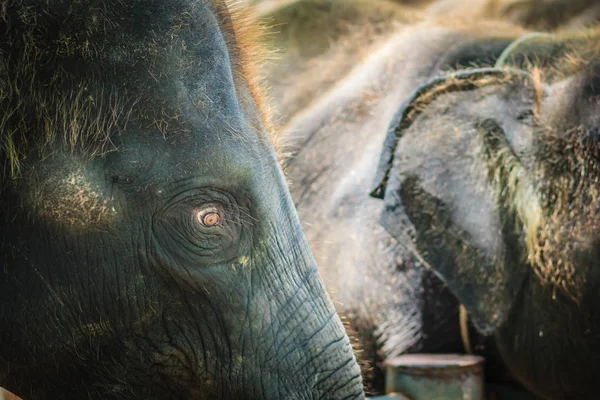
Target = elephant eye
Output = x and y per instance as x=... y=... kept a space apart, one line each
x=209 y=217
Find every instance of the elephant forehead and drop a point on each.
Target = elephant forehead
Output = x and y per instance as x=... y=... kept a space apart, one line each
x=208 y=153
x=162 y=75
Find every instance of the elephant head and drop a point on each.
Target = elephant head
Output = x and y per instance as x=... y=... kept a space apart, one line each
x=150 y=246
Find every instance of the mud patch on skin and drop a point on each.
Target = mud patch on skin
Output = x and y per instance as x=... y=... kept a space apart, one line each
x=72 y=200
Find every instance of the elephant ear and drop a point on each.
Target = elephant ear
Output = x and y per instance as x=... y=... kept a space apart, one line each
x=454 y=175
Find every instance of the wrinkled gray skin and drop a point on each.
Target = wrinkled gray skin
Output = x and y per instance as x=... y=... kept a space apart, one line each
x=112 y=284
x=440 y=208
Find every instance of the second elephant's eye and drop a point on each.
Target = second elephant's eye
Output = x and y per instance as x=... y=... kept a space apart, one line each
x=209 y=217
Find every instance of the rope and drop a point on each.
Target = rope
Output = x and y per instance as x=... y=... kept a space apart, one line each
x=463 y=320
x=501 y=62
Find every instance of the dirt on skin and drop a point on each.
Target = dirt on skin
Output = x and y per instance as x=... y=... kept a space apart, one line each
x=73 y=201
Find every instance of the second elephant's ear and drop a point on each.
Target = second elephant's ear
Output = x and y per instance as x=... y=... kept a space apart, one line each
x=454 y=175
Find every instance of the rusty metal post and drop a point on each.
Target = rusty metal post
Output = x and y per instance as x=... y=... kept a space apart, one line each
x=436 y=377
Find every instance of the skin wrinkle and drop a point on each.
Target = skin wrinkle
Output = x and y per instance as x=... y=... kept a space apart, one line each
x=314 y=358
x=118 y=282
x=318 y=331
x=190 y=345
x=204 y=343
x=222 y=338
x=242 y=339
x=326 y=378
x=287 y=275
x=338 y=387
x=294 y=298
x=173 y=349
x=186 y=303
x=82 y=331
x=143 y=255
x=301 y=321
x=286 y=307
x=271 y=351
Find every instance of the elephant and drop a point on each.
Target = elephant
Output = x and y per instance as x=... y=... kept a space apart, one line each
x=151 y=249
x=489 y=181
x=504 y=208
